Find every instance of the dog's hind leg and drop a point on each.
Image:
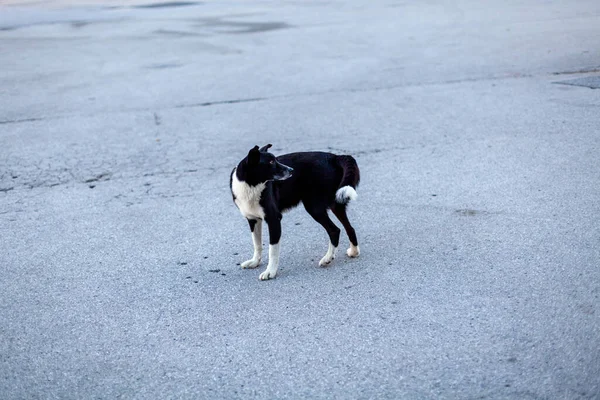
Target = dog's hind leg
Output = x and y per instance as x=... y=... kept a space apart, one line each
x=320 y=215
x=339 y=210
x=256 y=229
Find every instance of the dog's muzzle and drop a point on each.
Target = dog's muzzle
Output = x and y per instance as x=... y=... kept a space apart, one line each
x=283 y=173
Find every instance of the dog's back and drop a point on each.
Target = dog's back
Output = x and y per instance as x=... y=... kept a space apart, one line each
x=317 y=178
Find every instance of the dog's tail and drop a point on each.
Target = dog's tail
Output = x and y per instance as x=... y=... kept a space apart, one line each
x=350 y=180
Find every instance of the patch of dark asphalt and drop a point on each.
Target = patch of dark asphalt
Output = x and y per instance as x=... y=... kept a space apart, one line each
x=242 y=27
x=174 y=33
x=592 y=82
x=164 y=66
x=168 y=4
x=467 y=212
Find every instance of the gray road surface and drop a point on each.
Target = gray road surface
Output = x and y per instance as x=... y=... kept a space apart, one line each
x=478 y=214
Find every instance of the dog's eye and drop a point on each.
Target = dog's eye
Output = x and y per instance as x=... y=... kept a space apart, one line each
x=272 y=162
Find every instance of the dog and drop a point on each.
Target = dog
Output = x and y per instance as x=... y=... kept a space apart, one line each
x=264 y=186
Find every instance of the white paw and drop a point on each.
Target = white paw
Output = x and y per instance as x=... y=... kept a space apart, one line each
x=353 y=251
x=253 y=263
x=329 y=256
x=265 y=276
x=325 y=261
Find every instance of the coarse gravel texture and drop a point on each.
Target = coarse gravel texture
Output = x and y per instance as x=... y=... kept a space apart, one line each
x=478 y=211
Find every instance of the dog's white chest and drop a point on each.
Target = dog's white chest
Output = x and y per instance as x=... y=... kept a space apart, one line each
x=247 y=198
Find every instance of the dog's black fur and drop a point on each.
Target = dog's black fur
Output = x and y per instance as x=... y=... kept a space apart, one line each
x=312 y=178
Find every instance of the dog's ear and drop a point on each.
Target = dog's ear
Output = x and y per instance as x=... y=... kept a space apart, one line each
x=254 y=155
x=266 y=147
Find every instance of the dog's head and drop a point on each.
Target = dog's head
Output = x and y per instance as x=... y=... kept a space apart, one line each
x=262 y=166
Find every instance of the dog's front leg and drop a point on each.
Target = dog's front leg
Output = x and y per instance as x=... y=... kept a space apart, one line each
x=274 y=223
x=256 y=229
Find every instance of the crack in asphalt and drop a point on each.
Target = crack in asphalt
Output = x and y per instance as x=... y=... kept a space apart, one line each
x=105 y=176
x=49 y=179
x=18 y=121
x=158 y=120
x=213 y=103
x=586 y=70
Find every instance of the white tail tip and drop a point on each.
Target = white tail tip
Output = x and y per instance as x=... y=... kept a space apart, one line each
x=345 y=194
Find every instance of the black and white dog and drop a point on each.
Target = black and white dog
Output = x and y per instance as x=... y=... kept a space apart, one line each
x=263 y=186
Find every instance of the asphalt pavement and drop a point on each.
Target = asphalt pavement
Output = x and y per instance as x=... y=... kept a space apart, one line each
x=476 y=126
